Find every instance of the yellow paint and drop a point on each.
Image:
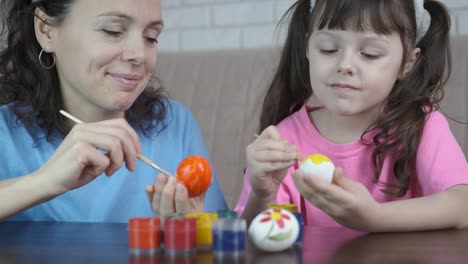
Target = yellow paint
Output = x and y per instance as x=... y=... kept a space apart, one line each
x=317 y=159
x=204 y=228
x=276 y=216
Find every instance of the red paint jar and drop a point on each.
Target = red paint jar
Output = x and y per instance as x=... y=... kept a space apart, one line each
x=180 y=236
x=144 y=235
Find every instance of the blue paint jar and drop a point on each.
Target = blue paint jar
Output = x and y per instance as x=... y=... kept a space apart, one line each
x=229 y=238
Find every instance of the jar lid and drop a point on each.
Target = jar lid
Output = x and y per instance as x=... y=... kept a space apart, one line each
x=288 y=207
x=144 y=223
x=203 y=217
x=227 y=224
x=227 y=214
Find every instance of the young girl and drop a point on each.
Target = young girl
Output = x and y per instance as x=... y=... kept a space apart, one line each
x=95 y=60
x=359 y=81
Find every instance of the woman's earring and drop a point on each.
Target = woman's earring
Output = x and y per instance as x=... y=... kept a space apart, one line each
x=42 y=63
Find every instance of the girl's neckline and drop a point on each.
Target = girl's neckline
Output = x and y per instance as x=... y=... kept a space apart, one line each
x=323 y=144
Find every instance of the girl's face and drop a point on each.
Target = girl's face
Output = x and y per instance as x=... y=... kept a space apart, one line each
x=106 y=54
x=352 y=72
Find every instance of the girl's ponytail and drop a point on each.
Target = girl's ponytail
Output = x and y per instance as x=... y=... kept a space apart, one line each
x=434 y=66
x=412 y=98
x=290 y=86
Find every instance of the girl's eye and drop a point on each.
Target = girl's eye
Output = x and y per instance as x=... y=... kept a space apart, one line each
x=328 y=51
x=370 y=56
x=112 y=33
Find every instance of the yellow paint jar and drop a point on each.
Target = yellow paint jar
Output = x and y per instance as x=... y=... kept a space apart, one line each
x=204 y=229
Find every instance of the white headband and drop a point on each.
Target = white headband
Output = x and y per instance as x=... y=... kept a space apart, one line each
x=423 y=18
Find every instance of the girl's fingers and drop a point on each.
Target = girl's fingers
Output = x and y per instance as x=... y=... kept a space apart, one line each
x=270 y=132
x=274 y=166
x=274 y=156
x=314 y=186
x=340 y=180
x=272 y=144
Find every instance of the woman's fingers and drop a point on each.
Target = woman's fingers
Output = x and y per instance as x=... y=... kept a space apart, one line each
x=149 y=190
x=181 y=199
x=117 y=139
x=103 y=141
x=161 y=181
x=167 y=204
x=121 y=129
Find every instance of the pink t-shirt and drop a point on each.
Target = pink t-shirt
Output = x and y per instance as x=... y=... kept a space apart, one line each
x=440 y=164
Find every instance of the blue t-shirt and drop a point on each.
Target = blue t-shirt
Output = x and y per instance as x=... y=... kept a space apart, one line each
x=105 y=199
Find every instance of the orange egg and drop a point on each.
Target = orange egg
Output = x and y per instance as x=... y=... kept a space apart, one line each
x=194 y=172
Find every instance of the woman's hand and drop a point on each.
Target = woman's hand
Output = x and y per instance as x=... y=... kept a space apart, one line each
x=268 y=159
x=167 y=196
x=88 y=151
x=348 y=202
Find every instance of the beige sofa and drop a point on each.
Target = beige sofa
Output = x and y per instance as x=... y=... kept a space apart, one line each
x=224 y=90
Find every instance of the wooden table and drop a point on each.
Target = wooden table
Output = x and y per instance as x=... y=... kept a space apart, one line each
x=89 y=243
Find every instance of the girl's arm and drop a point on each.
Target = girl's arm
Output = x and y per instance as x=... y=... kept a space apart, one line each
x=255 y=205
x=350 y=204
x=447 y=209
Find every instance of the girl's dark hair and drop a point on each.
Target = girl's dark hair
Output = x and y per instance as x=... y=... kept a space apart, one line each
x=401 y=122
x=35 y=91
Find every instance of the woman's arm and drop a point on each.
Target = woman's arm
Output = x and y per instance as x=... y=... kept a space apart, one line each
x=23 y=192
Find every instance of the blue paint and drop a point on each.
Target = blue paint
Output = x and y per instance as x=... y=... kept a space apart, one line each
x=301 y=227
x=228 y=241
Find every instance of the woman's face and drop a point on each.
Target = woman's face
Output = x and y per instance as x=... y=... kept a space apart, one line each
x=106 y=53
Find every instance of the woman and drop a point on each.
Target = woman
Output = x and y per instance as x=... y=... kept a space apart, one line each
x=94 y=59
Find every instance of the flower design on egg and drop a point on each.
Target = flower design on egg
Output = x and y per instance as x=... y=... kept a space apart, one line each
x=276 y=216
x=274 y=230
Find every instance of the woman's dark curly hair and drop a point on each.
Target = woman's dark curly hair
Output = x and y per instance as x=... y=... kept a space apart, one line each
x=35 y=91
x=402 y=118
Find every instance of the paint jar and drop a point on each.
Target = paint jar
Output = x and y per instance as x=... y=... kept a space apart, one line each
x=229 y=238
x=300 y=220
x=204 y=229
x=163 y=219
x=180 y=236
x=144 y=235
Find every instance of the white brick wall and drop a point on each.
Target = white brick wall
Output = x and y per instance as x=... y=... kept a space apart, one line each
x=228 y=24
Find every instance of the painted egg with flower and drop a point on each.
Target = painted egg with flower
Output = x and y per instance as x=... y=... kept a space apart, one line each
x=319 y=165
x=274 y=230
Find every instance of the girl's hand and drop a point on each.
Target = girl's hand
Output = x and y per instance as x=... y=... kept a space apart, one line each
x=89 y=150
x=348 y=202
x=167 y=196
x=268 y=159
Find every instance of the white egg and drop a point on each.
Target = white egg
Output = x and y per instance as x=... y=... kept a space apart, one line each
x=319 y=165
x=274 y=230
